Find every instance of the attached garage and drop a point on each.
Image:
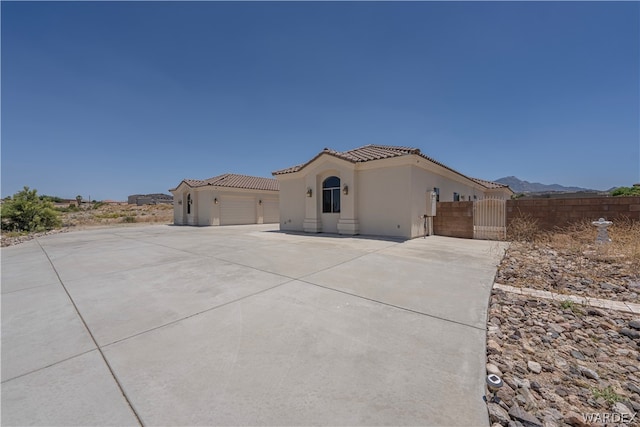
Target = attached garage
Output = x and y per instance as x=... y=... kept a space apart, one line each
x=237 y=210
x=227 y=199
x=271 y=211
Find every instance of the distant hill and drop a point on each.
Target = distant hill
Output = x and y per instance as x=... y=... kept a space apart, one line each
x=520 y=186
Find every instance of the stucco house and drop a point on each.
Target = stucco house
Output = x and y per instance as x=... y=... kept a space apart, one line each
x=374 y=190
x=227 y=199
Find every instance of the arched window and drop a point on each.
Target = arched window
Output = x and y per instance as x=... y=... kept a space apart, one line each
x=188 y=204
x=331 y=195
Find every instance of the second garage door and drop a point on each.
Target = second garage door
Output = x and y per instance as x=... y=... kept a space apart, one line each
x=271 y=211
x=237 y=210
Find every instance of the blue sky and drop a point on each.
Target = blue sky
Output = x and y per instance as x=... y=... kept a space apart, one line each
x=107 y=99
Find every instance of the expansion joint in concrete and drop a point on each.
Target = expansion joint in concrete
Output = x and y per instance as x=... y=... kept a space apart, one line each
x=75 y=307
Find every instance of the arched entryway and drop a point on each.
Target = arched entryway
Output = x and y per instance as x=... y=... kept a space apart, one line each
x=330 y=207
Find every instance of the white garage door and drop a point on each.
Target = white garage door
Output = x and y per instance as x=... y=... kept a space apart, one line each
x=237 y=210
x=271 y=211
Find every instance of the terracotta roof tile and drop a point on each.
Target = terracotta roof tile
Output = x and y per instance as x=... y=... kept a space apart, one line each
x=364 y=154
x=231 y=180
x=489 y=184
x=377 y=152
x=358 y=155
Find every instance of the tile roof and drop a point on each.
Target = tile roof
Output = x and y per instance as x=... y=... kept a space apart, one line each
x=377 y=152
x=358 y=155
x=231 y=180
x=490 y=184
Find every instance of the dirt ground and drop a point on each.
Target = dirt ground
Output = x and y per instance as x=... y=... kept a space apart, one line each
x=100 y=215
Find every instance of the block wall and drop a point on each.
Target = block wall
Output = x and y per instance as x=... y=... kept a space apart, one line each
x=454 y=219
x=553 y=213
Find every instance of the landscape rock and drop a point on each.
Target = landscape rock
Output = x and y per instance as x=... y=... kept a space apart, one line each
x=589 y=373
x=621 y=408
x=521 y=383
x=493 y=369
x=634 y=388
x=524 y=417
x=631 y=333
x=584 y=358
x=497 y=414
x=578 y=355
x=534 y=367
x=575 y=420
x=592 y=311
x=493 y=347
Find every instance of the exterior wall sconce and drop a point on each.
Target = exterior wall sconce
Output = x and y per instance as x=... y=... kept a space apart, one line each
x=309 y=192
x=260 y=202
x=345 y=189
x=179 y=202
x=215 y=200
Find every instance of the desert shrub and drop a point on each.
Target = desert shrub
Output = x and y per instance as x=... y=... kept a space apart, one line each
x=524 y=228
x=626 y=191
x=70 y=208
x=608 y=394
x=625 y=237
x=25 y=211
x=580 y=236
x=54 y=199
x=107 y=215
x=129 y=219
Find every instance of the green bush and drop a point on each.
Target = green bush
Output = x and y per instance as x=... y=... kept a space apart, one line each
x=25 y=211
x=54 y=199
x=608 y=394
x=70 y=208
x=626 y=191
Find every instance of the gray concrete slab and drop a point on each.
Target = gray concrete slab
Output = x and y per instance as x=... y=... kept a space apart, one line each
x=437 y=276
x=113 y=253
x=278 y=258
x=301 y=355
x=26 y=267
x=124 y=303
x=209 y=326
x=76 y=392
x=40 y=327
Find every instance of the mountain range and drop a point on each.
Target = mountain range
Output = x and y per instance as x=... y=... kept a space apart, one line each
x=520 y=186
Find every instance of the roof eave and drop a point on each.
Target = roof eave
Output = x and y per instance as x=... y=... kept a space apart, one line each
x=286 y=171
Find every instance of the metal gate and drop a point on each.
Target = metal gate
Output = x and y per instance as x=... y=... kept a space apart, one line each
x=490 y=219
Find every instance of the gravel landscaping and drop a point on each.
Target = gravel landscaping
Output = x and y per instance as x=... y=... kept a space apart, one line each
x=564 y=364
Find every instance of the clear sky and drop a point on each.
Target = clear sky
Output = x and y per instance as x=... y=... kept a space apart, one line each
x=107 y=99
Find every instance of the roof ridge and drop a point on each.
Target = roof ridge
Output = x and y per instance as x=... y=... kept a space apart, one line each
x=232 y=180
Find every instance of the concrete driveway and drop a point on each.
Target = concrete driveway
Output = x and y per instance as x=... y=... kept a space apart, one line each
x=244 y=325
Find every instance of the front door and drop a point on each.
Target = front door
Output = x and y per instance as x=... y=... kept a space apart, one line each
x=330 y=204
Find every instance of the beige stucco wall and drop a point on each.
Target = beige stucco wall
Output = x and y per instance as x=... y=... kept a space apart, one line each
x=384 y=201
x=203 y=206
x=424 y=177
x=385 y=198
x=177 y=208
x=292 y=202
x=204 y=210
